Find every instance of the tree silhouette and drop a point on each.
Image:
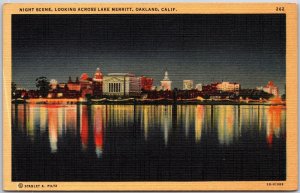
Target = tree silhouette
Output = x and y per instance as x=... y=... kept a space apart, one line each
x=43 y=86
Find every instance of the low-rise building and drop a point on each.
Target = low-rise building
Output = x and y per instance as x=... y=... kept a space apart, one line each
x=228 y=87
x=188 y=84
x=73 y=86
x=121 y=84
x=199 y=87
x=146 y=83
x=271 y=88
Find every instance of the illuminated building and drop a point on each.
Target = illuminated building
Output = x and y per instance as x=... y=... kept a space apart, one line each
x=228 y=87
x=73 y=86
x=222 y=86
x=85 y=81
x=188 y=84
x=166 y=82
x=121 y=84
x=271 y=88
x=85 y=85
x=98 y=77
x=53 y=84
x=199 y=87
x=146 y=83
x=61 y=85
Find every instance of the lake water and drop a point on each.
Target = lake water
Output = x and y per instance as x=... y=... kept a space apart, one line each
x=148 y=143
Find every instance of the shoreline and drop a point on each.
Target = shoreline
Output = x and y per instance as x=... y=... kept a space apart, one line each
x=148 y=102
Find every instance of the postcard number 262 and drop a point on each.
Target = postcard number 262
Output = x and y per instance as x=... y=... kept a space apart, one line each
x=279 y=8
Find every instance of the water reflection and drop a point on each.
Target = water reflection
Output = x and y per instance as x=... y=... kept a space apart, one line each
x=43 y=119
x=53 y=127
x=157 y=123
x=84 y=127
x=99 y=113
x=225 y=119
x=70 y=119
x=274 y=123
x=166 y=121
x=199 y=122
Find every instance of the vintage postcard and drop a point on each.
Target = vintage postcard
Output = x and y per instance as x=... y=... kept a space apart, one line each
x=150 y=97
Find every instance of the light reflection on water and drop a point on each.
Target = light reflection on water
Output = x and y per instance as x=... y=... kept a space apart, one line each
x=110 y=131
x=228 y=120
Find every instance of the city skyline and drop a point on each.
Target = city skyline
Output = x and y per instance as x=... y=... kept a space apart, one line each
x=249 y=49
x=157 y=86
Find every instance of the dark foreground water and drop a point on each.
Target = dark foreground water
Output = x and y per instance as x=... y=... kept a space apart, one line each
x=148 y=143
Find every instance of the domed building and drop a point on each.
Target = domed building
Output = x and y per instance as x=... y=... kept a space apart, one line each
x=166 y=82
x=84 y=76
x=98 y=77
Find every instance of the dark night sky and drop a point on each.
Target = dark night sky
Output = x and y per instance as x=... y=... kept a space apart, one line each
x=249 y=49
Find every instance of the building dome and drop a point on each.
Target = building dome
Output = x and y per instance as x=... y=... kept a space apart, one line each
x=84 y=76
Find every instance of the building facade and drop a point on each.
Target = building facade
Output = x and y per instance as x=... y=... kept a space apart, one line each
x=121 y=84
x=199 y=87
x=146 y=83
x=53 y=84
x=228 y=87
x=73 y=86
x=271 y=88
x=188 y=84
x=85 y=85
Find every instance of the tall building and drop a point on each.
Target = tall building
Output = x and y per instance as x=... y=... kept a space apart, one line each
x=166 y=82
x=121 y=84
x=271 y=88
x=188 y=84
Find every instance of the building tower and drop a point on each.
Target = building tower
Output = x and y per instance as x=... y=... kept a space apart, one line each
x=98 y=77
x=166 y=82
